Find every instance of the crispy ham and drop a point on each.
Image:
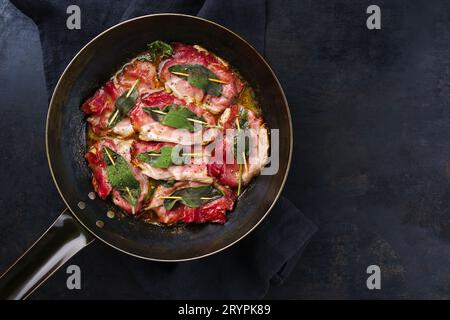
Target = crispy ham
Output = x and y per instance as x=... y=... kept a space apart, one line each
x=228 y=173
x=100 y=180
x=192 y=171
x=151 y=130
x=141 y=70
x=179 y=86
x=213 y=211
x=101 y=105
x=139 y=135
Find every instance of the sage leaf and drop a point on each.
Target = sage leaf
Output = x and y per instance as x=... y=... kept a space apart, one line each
x=158 y=159
x=198 y=76
x=164 y=157
x=243 y=117
x=123 y=105
x=176 y=116
x=159 y=49
x=193 y=197
x=132 y=196
x=120 y=175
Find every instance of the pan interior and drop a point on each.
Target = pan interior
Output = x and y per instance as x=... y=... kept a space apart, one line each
x=66 y=143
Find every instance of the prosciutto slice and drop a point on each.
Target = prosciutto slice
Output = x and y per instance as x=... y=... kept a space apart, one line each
x=141 y=70
x=100 y=180
x=192 y=171
x=186 y=54
x=102 y=104
x=213 y=211
x=228 y=173
x=151 y=130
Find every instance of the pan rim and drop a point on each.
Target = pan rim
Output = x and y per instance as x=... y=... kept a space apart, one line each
x=286 y=105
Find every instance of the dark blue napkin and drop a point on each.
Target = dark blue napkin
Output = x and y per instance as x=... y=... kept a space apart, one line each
x=269 y=253
x=243 y=271
x=60 y=44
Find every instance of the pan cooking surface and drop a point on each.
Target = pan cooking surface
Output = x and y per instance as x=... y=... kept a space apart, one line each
x=66 y=137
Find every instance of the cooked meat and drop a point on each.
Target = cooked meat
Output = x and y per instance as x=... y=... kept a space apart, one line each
x=182 y=172
x=150 y=129
x=121 y=202
x=144 y=71
x=258 y=143
x=195 y=55
x=101 y=106
x=213 y=211
x=100 y=181
x=230 y=91
x=138 y=119
x=97 y=165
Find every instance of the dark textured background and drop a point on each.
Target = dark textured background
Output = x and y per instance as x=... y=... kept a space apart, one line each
x=371 y=165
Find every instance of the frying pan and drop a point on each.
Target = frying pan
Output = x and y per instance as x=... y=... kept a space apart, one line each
x=86 y=219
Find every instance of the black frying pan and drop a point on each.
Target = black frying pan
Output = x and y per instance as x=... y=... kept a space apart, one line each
x=65 y=141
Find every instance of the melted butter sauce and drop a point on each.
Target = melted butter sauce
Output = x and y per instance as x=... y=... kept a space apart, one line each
x=247 y=100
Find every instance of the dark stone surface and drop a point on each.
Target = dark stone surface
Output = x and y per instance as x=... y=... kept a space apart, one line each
x=371 y=165
x=372 y=155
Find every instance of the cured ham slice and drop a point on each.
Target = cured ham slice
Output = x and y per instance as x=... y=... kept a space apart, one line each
x=101 y=106
x=100 y=181
x=230 y=91
x=192 y=171
x=258 y=141
x=213 y=211
x=141 y=70
x=150 y=129
x=187 y=55
x=123 y=128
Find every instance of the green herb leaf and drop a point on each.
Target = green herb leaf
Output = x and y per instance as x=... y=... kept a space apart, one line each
x=176 y=116
x=198 y=76
x=159 y=48
x=167 y=183
x=155 y=115
x=120 y=175
x=123 y=105
x=240 y=138
x=243 y=117
x=164 y=157
x=193 y=197
x=158 y=159
x=134 y=195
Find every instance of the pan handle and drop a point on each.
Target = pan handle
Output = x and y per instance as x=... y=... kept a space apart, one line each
x=59 y=243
